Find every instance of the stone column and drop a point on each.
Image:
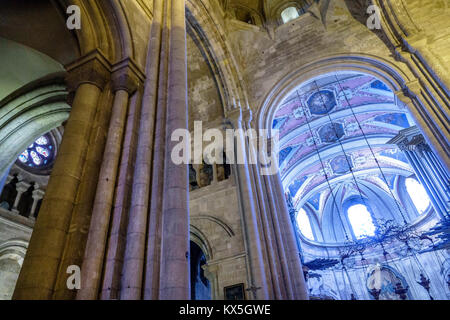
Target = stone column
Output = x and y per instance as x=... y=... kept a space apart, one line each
x=132 y=275
x=117 y=234
x=41 y=266
x=37 y=195
x=257 y=281
x=21 y=188
x=175 y=267
x=124 y=84
x=429 y=170
x=154 y=229
x=288 y=234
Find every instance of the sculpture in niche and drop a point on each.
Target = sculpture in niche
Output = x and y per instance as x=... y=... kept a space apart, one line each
x=322 y=102
x=26 y=202
x=385 y=281
x=331 y=132
x=193 y=184
x=223 y=170
x=220 y=172
x=206 y=175
x=9 y=193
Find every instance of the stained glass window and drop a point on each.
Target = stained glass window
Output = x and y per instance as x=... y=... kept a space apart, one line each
x=361 y=221
x=39 y=154
x=289 y=14
x=304 y=224
x=418 y=194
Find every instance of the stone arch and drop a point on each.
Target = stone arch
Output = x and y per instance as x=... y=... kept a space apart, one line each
x=35 y=102
x=197 y=236
x=404 y=84
x=115 y=42
x=31 y=104
x=228 y=230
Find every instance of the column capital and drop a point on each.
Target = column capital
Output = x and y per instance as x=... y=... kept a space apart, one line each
x=127 y=76
x=38 y=194
x=410 y=90
x=92 y=68
x=409 y=139
x=22 y=186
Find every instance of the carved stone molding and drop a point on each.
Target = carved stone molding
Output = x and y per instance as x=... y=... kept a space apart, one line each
x=92 y=68
x=127 y=76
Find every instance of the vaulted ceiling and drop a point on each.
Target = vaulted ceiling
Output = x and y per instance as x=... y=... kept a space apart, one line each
x=336 y=128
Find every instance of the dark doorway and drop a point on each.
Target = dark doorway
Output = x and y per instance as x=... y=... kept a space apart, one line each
x=200 y=286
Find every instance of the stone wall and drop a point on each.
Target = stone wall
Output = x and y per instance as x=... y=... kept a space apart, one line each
x=215 y=220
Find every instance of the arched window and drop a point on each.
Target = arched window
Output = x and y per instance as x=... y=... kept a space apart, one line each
x=289 y=14
x=361 y=221
x=304 y=224
x=418 y=195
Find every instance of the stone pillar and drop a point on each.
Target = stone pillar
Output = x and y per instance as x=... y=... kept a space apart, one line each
x=288 y=234
x=271 y=234
x=175 y=266
x=432 y=174
x=154 y=229
x=125 y=82
x=132 y=267
x=156 y=261
x=292 y=281
x=21 y=188
x=257 y=277
x=37 y=195
x=41 y=266
x=117 y=234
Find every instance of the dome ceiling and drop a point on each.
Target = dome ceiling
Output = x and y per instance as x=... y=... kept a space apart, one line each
x=326 y=127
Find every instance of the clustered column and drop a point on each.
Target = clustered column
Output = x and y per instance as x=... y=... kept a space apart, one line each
x=145 y=255
x=41 y=266
x=275 y=270
x=433 y=175
x=125 y=83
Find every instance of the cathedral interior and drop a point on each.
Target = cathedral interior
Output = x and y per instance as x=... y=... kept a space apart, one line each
x=354 y=92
